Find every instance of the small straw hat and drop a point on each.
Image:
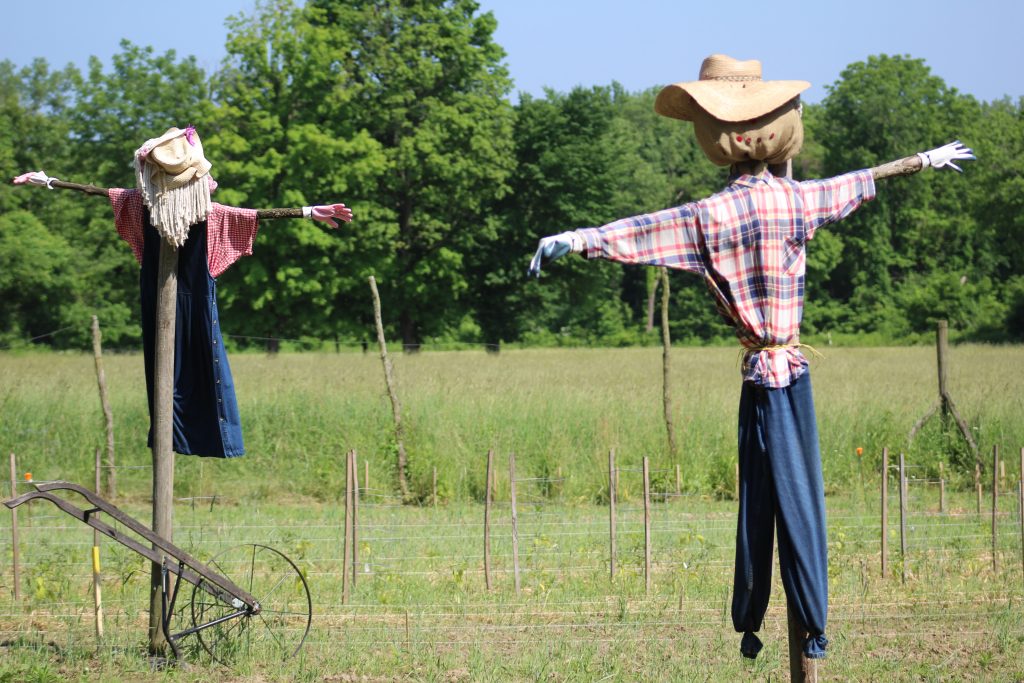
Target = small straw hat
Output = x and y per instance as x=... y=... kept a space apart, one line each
x=729 y=90
x=171 y=173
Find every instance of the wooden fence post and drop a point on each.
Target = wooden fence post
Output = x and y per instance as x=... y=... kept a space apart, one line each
x=942 y=489
x=977 y=484
x=612 y=485
x=679 y=481
x=396 y=406
x=666 y=375
x=885 y=512
x=995 y=506
x=14 y=530
x=903 y=519
x=515 y=520
x=108 y=414
x=647 y=527
x=347 y=546
x=487 y=518
x=355 y=516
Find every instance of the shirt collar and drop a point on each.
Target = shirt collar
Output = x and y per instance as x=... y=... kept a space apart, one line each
x=747 y=180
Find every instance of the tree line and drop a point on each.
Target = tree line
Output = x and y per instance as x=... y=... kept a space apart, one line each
x=403 y=110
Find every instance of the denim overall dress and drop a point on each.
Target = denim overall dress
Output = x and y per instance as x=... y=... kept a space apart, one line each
x=206 y=419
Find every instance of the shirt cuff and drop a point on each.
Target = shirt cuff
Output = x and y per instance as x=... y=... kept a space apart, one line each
x=868 y=182
x=591 y=242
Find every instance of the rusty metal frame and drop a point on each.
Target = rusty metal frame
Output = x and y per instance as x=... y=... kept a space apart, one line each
x=171 y=558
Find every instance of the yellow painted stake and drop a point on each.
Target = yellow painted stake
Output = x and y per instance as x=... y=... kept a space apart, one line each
x=96 y=592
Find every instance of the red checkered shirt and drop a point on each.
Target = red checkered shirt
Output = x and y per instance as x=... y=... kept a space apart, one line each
x=748 y=242
x=230 y=231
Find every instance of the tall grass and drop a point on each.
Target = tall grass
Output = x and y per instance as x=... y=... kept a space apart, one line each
x=558 y=410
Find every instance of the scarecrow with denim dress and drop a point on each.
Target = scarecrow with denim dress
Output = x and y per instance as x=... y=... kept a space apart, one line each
x=748 y=243
x=172 y=202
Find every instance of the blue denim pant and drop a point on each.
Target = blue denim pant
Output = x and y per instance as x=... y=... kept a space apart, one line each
x=780 y=487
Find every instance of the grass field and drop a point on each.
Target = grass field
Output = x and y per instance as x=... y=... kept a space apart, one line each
x=420 y=611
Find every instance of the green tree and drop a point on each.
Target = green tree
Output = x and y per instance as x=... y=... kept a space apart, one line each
x=884 y=109
x=397 y=108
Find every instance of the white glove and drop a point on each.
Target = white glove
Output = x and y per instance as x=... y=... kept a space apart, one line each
x=946 y=155
x=34 y=178
x=556 y=246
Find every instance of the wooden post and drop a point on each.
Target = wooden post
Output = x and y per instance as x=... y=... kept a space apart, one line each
x=903 y=520
x=679 y=481
x=942 y=489
x=396 y=406
x=355 y=516
x=801 y=668
x=1020 y=517
x=163 y=434
x=515 y=520
x=647 y=527
x=97 y=596
x=612 y=485
x=108 y=415
x=977 y=484
x=995 y=506
x=347 y=546
x=885 y=512
x=666 y=344
x=1002 y=475
x=487 y=518
x=1020 y=508
x=14 y=530
x=945 y=401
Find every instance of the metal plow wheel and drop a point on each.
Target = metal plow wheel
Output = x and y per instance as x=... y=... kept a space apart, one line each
x=277 y=630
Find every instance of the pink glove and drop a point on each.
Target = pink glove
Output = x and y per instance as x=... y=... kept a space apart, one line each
x=34 y=178
x=328 y=213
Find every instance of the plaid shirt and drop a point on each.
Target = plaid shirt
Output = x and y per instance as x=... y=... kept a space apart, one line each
x=230 y=231
x=748 y=242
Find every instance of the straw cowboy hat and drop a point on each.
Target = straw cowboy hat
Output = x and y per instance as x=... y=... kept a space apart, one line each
x=737 y=117
x=729 y=90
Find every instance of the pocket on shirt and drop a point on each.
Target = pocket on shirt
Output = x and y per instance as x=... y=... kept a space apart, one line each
x=794 y=257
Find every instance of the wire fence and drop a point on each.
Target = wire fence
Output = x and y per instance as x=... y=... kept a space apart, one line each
x=418 y=570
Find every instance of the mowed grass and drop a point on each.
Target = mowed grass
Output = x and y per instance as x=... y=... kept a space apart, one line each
x=419 y=609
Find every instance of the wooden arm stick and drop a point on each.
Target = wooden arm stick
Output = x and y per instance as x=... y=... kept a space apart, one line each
x=88 y=189
x=279 y=213
x=907 y=166
x=104 y=192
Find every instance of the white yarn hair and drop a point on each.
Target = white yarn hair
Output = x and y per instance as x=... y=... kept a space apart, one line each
x=172 y=210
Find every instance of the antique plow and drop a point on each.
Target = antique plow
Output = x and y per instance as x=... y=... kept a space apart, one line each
x=271 y=614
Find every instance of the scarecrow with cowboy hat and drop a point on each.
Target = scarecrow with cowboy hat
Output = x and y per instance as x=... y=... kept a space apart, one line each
x=748 y=243
x=172 y=203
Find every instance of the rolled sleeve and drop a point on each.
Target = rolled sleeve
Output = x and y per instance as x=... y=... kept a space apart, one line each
x=830 y=200
x=231 y=232
x=127 y=205
x=664 y=238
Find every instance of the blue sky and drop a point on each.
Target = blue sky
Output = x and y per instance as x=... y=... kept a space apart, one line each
x=976 y=45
